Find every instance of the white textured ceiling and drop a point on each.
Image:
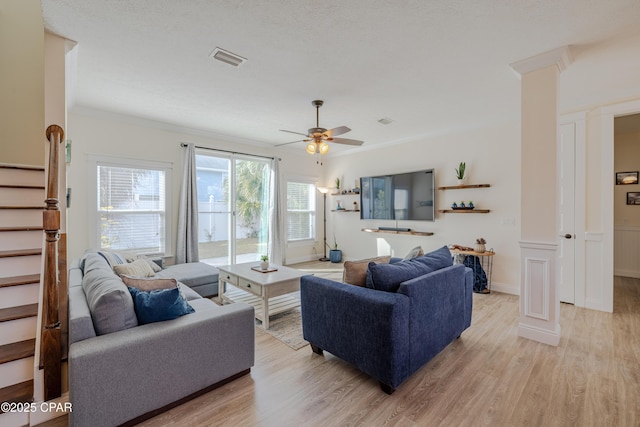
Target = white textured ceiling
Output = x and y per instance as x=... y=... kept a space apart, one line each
x=431 y=66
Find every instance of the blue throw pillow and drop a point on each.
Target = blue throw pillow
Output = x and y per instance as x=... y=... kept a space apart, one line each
x=440 y=258
x=159 y=305
x=388 y=277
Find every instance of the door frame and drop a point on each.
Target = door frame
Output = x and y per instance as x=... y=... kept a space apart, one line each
x=579 y=120
x=607 y=116
x=233 y=158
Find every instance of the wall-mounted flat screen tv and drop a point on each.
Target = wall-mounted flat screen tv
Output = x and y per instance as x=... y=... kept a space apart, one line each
x=402 y=196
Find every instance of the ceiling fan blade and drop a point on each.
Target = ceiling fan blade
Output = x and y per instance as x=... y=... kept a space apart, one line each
x=292 y=142
x=346 y=141
x=336 y=131
x=297 y=133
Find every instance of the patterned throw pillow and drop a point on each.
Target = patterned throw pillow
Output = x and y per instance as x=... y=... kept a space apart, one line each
x=139 y=268
x=113 y=258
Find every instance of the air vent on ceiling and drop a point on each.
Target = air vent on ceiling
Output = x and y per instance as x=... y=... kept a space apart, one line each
x=227 y=57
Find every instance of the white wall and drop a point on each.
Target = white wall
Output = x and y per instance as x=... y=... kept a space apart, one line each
x=22 y=83
x=492 y=156
x=112 y=135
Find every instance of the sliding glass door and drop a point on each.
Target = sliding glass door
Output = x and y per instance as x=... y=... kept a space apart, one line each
x=233 y=205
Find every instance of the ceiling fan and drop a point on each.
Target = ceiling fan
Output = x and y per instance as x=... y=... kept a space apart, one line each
x=318 y=137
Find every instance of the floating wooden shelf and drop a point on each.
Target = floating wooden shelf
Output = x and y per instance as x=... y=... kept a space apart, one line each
x=411 y=232
x=345 y=194
x=464 y=211
x=457 y=187
x=344 y=210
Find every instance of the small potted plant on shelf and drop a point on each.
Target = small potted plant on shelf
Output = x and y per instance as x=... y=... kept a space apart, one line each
x=480 y=245
x=338 y=184
x=335 y=254
x=460 y=172
x=264 y=265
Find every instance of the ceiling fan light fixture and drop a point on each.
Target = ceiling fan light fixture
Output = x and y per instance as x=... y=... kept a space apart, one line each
x=323 y=148
x=311 y=148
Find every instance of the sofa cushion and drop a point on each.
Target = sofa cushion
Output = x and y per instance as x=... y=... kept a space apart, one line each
x=139 y=267
x=108 y=298
x=189 y=294
x=388 y=277
x=191 y=273
x=159 y=305
x=355 y=272
x=80 y=322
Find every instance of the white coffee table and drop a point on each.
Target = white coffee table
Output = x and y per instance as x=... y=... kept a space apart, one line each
x=263 y=286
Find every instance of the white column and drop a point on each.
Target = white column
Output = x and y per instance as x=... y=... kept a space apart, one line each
x=539 y=299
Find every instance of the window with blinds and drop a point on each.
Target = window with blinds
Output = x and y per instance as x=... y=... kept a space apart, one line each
x=131 y=208
x=301 y=211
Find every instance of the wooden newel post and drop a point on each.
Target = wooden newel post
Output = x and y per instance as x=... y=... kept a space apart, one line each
x=50 y=346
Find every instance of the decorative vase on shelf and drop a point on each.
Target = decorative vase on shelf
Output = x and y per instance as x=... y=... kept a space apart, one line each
x=480 y=248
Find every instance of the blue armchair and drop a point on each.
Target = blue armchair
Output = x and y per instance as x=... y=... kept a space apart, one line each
x=387 y=335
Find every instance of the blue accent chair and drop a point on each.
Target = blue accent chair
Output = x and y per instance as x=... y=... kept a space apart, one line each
x=387 y=335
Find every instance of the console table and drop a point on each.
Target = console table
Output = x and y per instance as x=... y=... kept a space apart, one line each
x=484 y=258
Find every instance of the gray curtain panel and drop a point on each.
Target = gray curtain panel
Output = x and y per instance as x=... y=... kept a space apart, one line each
x=187 y=242
x=276 y=216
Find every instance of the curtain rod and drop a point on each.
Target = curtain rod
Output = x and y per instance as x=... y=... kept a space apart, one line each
x=184 y=144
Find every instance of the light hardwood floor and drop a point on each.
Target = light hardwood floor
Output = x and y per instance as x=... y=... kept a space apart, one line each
x=489 y=376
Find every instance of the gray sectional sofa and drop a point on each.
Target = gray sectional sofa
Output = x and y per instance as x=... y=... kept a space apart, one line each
x=122 y=372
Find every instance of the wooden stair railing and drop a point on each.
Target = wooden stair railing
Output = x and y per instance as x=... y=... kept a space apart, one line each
x=51 y=343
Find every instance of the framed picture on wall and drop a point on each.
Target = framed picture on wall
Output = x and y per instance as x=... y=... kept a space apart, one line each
x=633 y=198
x=626 y=178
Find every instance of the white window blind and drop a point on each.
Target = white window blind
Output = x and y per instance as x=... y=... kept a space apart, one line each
x=131 y=208
x=301 y=211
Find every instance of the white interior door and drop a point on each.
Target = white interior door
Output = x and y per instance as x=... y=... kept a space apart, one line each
x=566 y=216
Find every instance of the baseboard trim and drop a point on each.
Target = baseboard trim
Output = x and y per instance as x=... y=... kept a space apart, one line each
x=627 y=273
x=505 y=288
x=541 y=335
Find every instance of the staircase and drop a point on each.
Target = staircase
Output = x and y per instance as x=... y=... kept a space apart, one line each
x=22 y=195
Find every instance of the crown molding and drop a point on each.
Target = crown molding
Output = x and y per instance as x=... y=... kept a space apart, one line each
x=561 y=57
